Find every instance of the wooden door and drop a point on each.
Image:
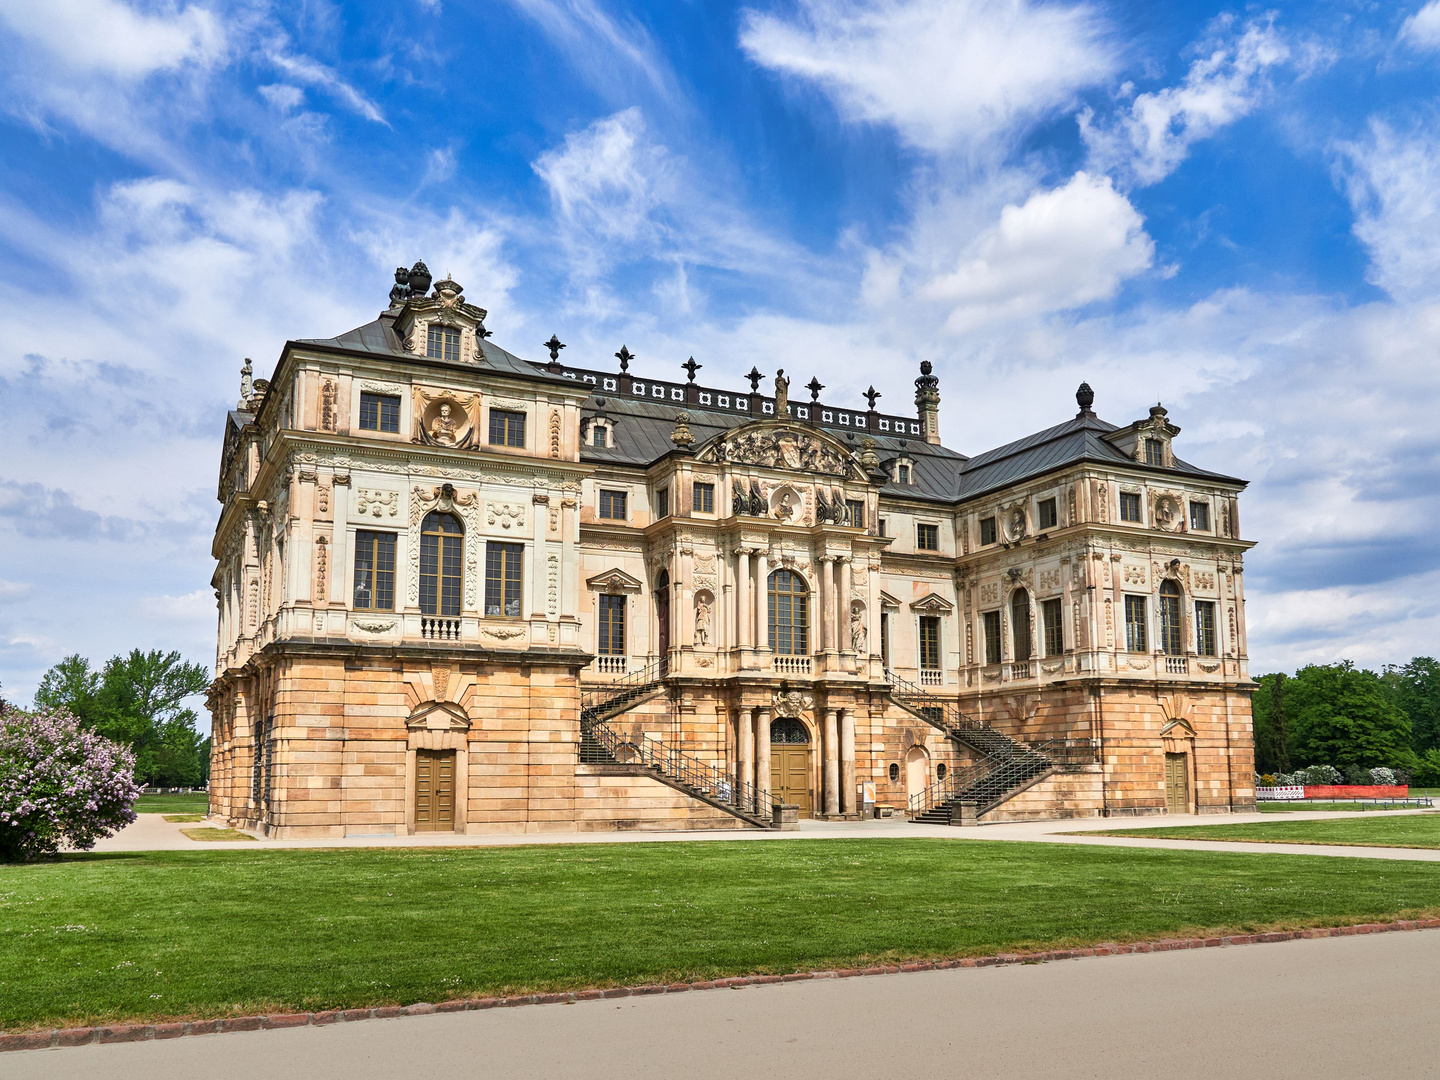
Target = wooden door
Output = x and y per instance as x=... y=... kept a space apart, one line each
x=790 y=775
x=434 y=790
x=917 y=772
x=1177 y=784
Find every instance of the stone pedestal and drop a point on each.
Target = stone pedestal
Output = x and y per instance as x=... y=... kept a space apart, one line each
x=964 y=813
x=785 y=816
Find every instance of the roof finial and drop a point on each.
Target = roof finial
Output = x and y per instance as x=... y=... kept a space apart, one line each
x=1085 y=397
x=691 y=367
x=554 y=345
x=754 y=378
x=815 y=386
x=624 y=356
x=870 y=395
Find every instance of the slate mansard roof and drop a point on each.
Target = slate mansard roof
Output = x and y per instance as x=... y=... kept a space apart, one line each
x=642 y=422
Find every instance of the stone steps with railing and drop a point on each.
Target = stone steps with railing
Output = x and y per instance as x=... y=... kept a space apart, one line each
x=1004 y=766
x=602 y=745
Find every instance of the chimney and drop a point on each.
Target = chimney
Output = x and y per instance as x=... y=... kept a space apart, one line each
x=927 y=402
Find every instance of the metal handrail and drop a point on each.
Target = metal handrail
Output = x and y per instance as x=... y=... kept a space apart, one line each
x=699 y=776
x=596 y=700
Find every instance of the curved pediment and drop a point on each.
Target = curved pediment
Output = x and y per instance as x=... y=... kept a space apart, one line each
x=783 y=444
x=438 y=716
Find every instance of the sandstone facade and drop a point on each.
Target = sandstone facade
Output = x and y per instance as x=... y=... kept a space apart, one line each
x=434 y=557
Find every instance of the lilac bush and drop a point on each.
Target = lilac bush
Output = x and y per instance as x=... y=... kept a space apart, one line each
x=60 y=785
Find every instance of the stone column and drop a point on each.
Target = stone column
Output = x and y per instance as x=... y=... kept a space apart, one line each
x=762 y=605
x=539 y=507
x=826 y=565
x=832 y=764
x=743 y=623
x=745 y=737
x=843 y=607
x=848 y=800
x=762 y=752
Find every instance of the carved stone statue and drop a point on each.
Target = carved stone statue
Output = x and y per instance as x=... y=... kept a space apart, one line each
x=782 y=393
x=702 y=623
x=442 y=428
x=859 y=635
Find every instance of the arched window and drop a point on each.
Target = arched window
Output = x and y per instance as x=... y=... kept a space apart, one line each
x=441 y=560
x=789 y=731
x=1020 y=623
x=1171 y=639
x=789 y=614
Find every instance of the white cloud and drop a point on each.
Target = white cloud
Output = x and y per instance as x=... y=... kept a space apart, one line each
x=11 y=591
x=1058 y=250
x=1393 y=182
x=112 y=37
x=606 y=178
x=313 y=73
x=595 y=42
x=192 y=607
x=945 y=73
x=1227 y=82
x=439 y=166
x=1422 y=30
x=283 y=97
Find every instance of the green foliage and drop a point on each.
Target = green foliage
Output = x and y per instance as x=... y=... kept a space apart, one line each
x=1272 y=731
x=1415 y=688
x=137 y=700
x=1331 y=714
x=1427 y=773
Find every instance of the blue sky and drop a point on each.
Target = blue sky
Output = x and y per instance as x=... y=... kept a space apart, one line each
x=1233 y=209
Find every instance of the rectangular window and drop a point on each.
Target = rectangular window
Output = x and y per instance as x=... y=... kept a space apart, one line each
x=1172 y=639
x=702 y=498
x=1136 y=639
x=374 y=571
x=599 y=436
x=502 y=579
x=612 y=505
x=1049 y=515
x=987 y=531
x=662 y=503
x=1205 y=627
x=612 y=625
x=991 y=621
x=902 y=473
x=930 y=642
x=1052 y=613
x=880 y=527
x=379 y=412
x=855 y=513
x=507 y=428
x=1154 y=452
x=885 y=639
x=927 y=537
x=443 y=343
x=1200 y=516
x=1129 y=506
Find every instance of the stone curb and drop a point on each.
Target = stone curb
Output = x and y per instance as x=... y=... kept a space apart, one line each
x=42 y=1040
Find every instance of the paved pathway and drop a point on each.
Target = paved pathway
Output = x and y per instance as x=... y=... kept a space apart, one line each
x=1312 y=1010
x=152 y=833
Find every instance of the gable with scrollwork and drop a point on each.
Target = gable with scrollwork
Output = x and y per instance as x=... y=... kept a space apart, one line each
x=777 y=445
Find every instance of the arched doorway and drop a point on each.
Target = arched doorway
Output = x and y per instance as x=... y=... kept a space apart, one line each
x=917 y=771
x=790 y=764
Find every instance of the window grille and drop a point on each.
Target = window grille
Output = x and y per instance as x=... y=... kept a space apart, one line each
x=507 y=428
x=611 y=638
x=443 y=343
x=789 y=614
x=374 y=571
x=441 y=559
x=379 y=412
x=1136 y=638
x=1052 y=613
x=502 y=578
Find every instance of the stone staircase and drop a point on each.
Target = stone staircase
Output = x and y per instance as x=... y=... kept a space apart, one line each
x=644 y=755
x=1003 y=767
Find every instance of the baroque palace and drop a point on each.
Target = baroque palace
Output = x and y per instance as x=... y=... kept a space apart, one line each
x=463 y=591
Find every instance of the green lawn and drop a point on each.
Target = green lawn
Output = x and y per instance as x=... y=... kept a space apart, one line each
x=172 y=804
x=1292 y=807
x=1381 y=830
x=99 y=938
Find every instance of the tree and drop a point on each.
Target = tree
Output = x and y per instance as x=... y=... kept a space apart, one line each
x=1415 y=688
x=60 y=785
x=1272 y=734
x=137 y=700
x=1345 y=717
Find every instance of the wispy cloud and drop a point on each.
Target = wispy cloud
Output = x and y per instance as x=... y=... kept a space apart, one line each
x=943 y=73
x=1227 y=81
x=311 y=72
x=1393 y=181
x=607 y=50
x=113 y=38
